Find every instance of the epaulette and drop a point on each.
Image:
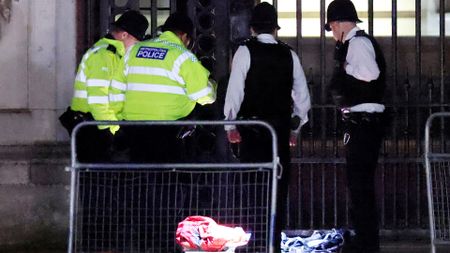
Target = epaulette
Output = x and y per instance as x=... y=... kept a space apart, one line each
x=361 y=33
x=284 y=44
x=112 y=48
x=248 y=40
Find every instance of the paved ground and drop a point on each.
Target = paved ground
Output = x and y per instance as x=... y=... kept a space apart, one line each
x=411 y=247
x=386 y=247
x=405 y=247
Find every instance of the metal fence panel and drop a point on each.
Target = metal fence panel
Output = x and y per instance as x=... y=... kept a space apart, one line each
x=137 y=207
x=139 y=210
x=437 y=163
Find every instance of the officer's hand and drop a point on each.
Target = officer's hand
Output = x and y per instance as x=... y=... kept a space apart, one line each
x=186 y=131
x=293 y=139
x=295 y=122
x=234 y=136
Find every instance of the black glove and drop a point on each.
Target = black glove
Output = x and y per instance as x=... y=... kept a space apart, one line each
x=295 y=122
x=120 y=141
x=70 y=119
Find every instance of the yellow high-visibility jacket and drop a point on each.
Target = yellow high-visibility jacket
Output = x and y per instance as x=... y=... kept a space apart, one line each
x=91 y=88
x=160 y=80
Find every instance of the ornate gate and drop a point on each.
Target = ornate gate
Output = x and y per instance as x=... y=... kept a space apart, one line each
x=417 y=83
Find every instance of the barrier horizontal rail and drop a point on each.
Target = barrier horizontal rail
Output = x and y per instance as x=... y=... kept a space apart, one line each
x=75 y=164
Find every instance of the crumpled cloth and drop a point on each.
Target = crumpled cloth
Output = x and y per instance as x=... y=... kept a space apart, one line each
x=320 y=241
x=203 y=233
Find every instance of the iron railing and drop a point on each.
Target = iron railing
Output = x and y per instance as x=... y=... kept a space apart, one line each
x=416 y=87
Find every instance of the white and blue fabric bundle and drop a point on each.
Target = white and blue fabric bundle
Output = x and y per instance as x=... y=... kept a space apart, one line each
x=330 y=241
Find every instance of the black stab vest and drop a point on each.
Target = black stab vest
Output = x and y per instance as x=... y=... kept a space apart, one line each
x=352 y=90
x=268 y=86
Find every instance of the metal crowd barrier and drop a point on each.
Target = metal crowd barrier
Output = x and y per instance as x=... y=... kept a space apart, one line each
x=136 y=207
x=437 y=162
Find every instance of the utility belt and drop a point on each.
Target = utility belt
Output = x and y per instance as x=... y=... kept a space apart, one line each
x=358 y=118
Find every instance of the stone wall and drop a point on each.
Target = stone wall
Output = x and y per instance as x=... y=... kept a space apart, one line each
x=34 y=192
x=38 y=67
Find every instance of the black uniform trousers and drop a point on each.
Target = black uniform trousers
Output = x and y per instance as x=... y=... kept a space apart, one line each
x=256 y=146
x=93 y=145
x=362 y=140
x=153 y=144
x=147 y=144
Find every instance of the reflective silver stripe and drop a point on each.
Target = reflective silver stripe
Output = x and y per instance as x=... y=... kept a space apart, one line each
x=126 y=57
x=127 y=54
x=156 y=88
x=156 y=72
x=88 y=54
x=95 y=49
x=179 y=61
x=85 y=56
x=81 y=77
x=116 y=97
x=98 y=100
x=118 y=85
x=80 y=94
x=199 y=94
x=170 y=44
x=97 y=83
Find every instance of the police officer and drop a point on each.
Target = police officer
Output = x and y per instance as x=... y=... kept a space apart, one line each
x=266 y=77
x=161 y=79
x=91 y=97
x=357 y=87
x=91 y=88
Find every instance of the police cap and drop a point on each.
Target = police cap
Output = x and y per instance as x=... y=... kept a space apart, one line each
x=133 y=22
x=179 y=22
x=264 y=16
x=341 y=10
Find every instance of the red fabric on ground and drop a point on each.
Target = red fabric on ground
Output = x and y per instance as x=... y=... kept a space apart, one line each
x=203 y=233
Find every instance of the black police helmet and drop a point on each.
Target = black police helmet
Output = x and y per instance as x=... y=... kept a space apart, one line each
x=341 y=10
x=179 y=22
x=133 y=22
x=264 y=17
